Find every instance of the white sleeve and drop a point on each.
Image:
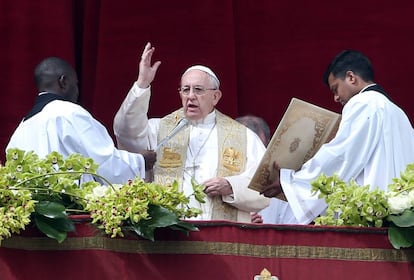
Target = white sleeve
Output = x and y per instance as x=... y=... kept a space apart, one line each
x=347 y=155
x=131 y=120
x=81 y=133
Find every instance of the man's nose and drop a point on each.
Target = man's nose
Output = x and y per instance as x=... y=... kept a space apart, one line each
x=336 y=98
x=192 y=93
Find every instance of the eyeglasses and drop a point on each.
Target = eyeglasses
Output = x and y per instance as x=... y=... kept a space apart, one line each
x=197 y=90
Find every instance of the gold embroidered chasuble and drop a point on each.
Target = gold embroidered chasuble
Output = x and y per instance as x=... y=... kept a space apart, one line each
x=232 y=148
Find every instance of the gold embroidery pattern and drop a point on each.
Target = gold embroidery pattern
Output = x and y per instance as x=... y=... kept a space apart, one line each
x=265 y=275
x=170 y=161
x=320 y=126
x=232 y=139
x=232 y=150
x=232 y=159
x=208 y=247
x=264 y=178
x=294 y=145
x=170 y=158
x=299 y=135
x=230 y=134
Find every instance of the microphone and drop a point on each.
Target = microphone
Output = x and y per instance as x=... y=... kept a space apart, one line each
x=180 y=125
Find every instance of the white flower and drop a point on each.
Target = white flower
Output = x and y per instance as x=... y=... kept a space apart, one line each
x=100 y=191
x=399 y=203
x=97 y=192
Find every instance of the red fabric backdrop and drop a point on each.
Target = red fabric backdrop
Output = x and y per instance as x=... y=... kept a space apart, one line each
x=265 y=52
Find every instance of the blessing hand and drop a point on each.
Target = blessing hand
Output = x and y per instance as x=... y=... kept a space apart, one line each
x=146 y=71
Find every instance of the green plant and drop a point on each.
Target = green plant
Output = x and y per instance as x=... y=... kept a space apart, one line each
x=352 y=205
x=141 y=207
x=46 y=191
x=401 y=208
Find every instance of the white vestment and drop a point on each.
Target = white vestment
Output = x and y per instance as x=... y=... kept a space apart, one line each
x=278 y=212
x=134 y=132
x=374 y=143
x=67 y=128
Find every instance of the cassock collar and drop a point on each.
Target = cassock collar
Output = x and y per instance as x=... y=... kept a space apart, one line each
x=375 y=87
x=366 y=88
x=42 y=100
x=208 y=120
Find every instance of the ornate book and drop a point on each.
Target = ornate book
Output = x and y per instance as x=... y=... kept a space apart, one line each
x=304 y=128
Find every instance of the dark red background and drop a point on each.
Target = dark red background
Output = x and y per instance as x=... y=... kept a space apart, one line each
x=265 y=52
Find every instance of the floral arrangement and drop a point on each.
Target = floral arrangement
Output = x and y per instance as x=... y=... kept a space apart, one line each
x=47 y=191
x=354 y=205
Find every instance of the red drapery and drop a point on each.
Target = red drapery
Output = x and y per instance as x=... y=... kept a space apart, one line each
x=220 y=250
x=265 y=52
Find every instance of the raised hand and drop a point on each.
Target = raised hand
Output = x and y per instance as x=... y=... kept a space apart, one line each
x=146 y=70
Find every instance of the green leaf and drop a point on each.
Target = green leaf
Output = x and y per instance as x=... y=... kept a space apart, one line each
x=406 y=219
x=62 y=224
x=401 y=237
x=54 y=228
x=177 y=228
x=184 y=227
x=160 y=217
x=146 y=232
x=50 y=209
x=187 y=226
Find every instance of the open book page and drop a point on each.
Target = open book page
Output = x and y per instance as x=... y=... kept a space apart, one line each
x=304 y=128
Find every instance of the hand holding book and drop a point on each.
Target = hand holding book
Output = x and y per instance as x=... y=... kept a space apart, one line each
x=303 y=129
x=275 y=188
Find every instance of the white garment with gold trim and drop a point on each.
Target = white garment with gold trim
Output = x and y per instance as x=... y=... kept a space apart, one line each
x=135 y=132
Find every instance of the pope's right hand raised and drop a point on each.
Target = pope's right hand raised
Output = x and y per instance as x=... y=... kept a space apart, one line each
x=146 y=71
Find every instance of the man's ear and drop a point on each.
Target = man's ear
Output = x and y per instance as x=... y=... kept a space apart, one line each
x=351 y=76
x=62 y=81
x=217 y=95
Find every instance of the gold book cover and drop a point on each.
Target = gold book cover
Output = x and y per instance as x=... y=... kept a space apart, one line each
x=304 y=128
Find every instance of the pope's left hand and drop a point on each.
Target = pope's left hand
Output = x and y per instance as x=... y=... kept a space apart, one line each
x=217 y=186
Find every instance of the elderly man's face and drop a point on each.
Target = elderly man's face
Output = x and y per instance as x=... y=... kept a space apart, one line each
x=198 y=95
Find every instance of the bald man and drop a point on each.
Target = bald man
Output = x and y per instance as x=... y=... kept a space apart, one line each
x=212 y=149
x=57 y=123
